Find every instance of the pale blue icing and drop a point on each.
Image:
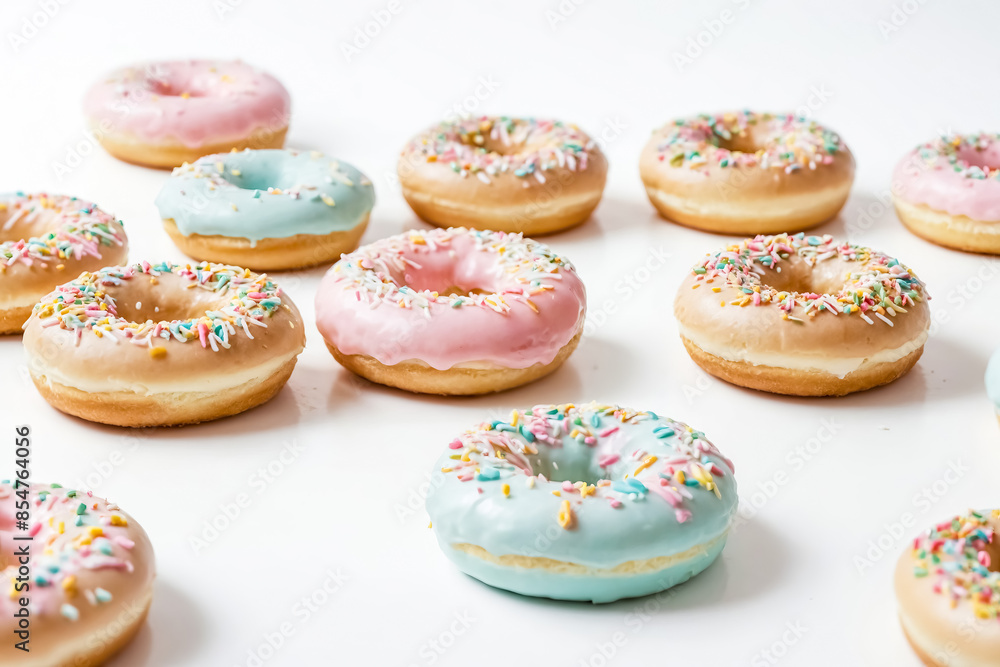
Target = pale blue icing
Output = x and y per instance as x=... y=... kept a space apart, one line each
x=526 y=523
x=232 y=194
x=993 y=380
x=539 y=583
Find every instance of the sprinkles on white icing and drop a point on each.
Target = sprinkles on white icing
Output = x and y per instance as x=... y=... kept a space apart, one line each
x=880 y=288
x=85 y=307
x=537 y=146
x=79 y=228
x=792 y=143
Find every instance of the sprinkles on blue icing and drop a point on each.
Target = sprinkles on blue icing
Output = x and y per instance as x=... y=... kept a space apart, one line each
x=603 y=485
x=266 y=194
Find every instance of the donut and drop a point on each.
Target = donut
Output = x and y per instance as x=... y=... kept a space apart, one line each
x=802 y=315
x=948 y=589
x=519 y=175
x=267 y=209
x=948 y=192
x=163 y=344
x=591 y=502
x=82 y=583
x=993 y=381
x=747 y=173
x=451 y=311
x=164 y=114
x=46 y=239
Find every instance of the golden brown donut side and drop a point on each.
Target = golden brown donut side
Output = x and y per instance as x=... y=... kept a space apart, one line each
x=495 y=189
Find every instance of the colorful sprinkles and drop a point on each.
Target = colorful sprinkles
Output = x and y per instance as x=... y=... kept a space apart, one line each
x=61 y=554
x=77 y=229
x=503 y=451
x=952 y=150
x=218 y=175
x=85 y=306
x=956 y=555
x=531 y=147
x=375 y=271
x=787 y=142
x=881 y=288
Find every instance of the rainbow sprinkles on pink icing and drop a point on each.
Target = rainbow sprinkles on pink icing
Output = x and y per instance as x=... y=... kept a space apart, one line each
x=96 y=541
x=957 y=174
x=954 y=554
x=881 y=288
x=78 y=229
x=449 y=297
x=954 y=150
x=543 y=145
x=84 y=305
x=193 y=102
x=372 y=270
x=793 y=143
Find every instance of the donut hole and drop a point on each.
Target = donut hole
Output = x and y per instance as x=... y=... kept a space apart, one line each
x=748 y=142
x=487 y=143
x=173 y=84
x=800 y=277
x=513 y=142
x=993 y=551
x=461 y=274
x=455 y=290
x=169 y=89
x=167 y=299
x=562 y=469
x=252 y=174
x=987 y=159
x=757 y=137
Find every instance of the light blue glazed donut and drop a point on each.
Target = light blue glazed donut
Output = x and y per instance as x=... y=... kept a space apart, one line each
x=265 y=194
x=646 y=503
x=993 y=381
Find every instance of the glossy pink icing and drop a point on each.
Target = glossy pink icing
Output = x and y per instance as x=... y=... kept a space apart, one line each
x=66 y=543
x=957 y=175
x=380 y=300
x=194 y=102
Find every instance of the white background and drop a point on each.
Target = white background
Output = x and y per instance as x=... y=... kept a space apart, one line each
x=340 y=505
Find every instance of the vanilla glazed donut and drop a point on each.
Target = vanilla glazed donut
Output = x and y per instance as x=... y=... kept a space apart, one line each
x=163 y=344
x=519 y=175
x=747 y=173
x=46 y=240
x=802 y=315
x=451 y=311
x=86 y=583
x=948 y=589
x=266 y=210
x=948 y=192
x=993 y=381
x=591 y=502
x=164 y=114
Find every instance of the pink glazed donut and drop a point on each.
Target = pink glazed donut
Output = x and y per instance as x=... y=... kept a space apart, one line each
x=452 y=311
x=948 y=192
x=167 y=113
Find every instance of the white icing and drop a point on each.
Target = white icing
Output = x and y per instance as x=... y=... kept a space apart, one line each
x=209 y=383
x=839 y=366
